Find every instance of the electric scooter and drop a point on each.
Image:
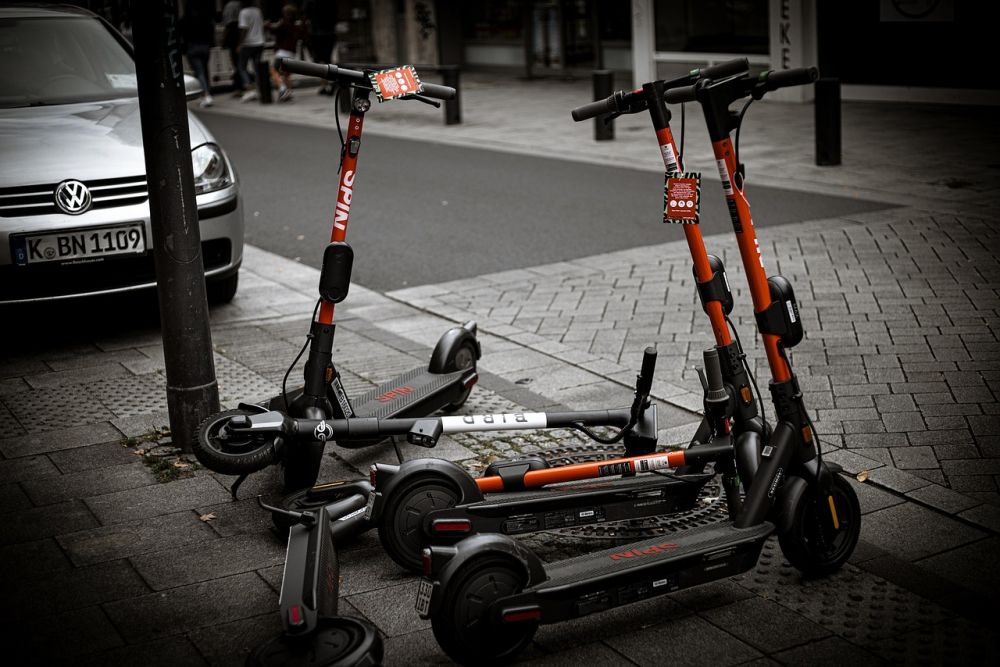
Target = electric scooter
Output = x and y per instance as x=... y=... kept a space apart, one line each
x=313 y=633
x=486 y=595
x=424 y=501
x=443 y=385
x=414 y=501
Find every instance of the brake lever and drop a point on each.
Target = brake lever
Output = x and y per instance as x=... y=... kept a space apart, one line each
x=422 y=98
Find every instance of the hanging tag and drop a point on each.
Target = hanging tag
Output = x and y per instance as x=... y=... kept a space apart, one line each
x=682 y=198
x=397 y=82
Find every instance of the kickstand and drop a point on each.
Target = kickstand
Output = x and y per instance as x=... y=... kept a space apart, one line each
x=395 y=445
x=236 y=485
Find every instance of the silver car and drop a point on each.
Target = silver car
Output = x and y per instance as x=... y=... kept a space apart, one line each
x=74 y=212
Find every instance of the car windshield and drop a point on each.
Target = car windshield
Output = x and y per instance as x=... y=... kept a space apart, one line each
x=61 y=60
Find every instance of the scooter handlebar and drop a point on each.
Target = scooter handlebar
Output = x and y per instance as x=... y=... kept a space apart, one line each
x=785 y=78
x=593 y=109
x=724 y=70
x=438 y=92
x=679 y=95
x=644 y=383
x=327 y=72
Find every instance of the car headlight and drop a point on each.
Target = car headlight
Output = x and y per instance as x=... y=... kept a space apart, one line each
x=211 y=171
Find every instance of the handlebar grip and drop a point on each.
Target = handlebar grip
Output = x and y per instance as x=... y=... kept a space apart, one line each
x=644 y=382
x=798 y=76
x=679 y=95
x=327 y=72
x=713 y=370
x=726 y=69
x=438 y=92
x=593 y=109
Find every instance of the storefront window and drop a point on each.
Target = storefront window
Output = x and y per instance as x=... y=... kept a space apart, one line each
x=711 y=26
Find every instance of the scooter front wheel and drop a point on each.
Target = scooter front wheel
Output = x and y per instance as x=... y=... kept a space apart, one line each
x=463 y=625
x=339 y=640
x=821 y=537
x=401 y=530
x=229 y=453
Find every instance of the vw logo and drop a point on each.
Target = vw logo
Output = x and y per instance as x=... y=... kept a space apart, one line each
x=72 y=197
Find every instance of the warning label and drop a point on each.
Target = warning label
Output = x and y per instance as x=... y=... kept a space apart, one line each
x=392 y=83
x=681 y=198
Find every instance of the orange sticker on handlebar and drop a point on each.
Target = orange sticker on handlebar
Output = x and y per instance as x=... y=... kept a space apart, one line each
x=394 y=83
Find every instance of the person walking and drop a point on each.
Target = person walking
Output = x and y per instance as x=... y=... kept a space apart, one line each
x=231 y=39
x=288 y=32
x=251 y=24
x=198 y=33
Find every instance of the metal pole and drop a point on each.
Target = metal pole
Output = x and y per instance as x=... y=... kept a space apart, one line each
x=529 y=38
x=604 y=86
x=192 y=390
x=452 y=108
x=264 y=81
x=827 y=108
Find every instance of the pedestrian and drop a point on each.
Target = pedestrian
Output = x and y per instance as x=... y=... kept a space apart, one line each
x=288 y=32
x=231 y=39
x=198 y=33
x=251 y=24
x=322 y=22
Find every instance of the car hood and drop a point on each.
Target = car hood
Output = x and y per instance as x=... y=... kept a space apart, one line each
x=86 y=141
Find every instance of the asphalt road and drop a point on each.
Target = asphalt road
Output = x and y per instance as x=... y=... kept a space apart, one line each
x=425 y=213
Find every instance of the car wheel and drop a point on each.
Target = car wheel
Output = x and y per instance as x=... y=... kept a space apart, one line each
x=222 y=290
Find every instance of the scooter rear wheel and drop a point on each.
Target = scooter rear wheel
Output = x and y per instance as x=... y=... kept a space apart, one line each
x=401 y=530
x=814 y=545
x=231 y=454
x=462 y=625
x=463 y=357
x=338 y=640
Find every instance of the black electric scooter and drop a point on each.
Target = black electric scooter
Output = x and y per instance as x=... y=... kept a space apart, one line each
x=313 y=634
x=422 y=502
x=413 y=504
x=443 y=385
x=487 y=595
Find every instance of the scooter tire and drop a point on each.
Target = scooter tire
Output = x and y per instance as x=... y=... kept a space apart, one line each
x=464 y=356
x=461 y=624
x=339 y=641
x=814 y=545
x=232 y=457
x=401 y=529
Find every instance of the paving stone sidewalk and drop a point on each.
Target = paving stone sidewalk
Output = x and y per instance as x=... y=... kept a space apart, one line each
x=110 y=554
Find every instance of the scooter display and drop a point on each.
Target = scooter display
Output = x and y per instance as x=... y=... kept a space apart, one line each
x=313 y=633
x=444 y=384
x=486 y=595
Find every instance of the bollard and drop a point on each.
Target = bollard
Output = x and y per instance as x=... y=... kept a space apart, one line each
x=452 y=108
x=264 y=81
x=827 y=107
x=604 y=84
x=345 y=98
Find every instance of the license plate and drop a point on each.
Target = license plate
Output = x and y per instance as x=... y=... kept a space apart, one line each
x=79 y=245
x=370 y=506
x=424 y=591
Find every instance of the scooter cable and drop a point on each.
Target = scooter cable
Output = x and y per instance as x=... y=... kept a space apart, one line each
x=340 y=132
x=680 y=155
x=309 y=337
x=753 y=378
x=736 y=143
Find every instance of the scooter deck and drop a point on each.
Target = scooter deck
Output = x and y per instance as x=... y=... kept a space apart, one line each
x=406 y=395
x=631 y=572
x=579 y=503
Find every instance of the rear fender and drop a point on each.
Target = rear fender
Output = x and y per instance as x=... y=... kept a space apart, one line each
x=448 y=561
x=450 y=341
x=388 y=481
